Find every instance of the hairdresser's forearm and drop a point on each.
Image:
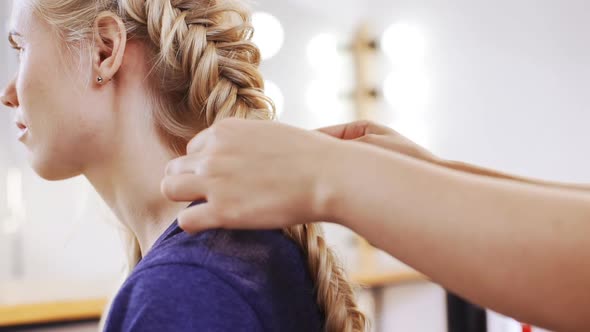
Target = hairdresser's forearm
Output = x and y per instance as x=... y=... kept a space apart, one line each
x=520 y=249
x=477 y=170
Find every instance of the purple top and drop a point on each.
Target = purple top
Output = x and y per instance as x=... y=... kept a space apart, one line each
x=218 y=280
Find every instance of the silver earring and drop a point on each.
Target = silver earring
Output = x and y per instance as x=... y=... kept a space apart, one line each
x=99 y=80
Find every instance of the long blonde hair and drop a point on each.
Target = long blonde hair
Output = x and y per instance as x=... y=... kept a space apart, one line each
x=205 y=68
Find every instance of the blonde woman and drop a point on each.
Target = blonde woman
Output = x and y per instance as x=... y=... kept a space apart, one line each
x=113 y=90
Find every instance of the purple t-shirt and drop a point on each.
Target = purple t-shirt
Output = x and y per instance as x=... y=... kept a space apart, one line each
x=218 y=280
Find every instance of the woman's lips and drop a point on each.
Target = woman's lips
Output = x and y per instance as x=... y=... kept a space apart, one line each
x=23 y=129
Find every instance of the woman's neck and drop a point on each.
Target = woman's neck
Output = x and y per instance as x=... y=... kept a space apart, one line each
x=129 y=179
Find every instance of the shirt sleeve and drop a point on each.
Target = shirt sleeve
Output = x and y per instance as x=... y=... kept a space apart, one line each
x=180 y=298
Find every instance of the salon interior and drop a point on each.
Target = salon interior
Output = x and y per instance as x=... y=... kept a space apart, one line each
x=501 y=84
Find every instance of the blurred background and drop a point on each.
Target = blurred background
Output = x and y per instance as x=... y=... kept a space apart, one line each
x=501 y=84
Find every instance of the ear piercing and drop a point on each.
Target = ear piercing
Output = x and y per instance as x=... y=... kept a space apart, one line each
x=100 y=80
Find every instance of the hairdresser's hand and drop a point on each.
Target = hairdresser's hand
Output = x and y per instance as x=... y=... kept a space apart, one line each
x=253 y=174
x=381 y=136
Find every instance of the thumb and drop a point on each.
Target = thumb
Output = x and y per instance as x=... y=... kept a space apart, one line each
x=346 y=131
x=379 y=141
x=197 y=219
x=354 y=130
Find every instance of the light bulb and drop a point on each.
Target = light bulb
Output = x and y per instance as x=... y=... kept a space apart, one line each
x=269 y=35
x=404 y=44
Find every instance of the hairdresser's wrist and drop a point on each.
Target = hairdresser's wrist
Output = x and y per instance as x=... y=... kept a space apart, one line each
x=332 y=185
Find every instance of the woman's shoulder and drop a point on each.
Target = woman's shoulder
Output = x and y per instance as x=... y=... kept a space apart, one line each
x=180 y=297
x=256 y=256
x=216 y=249
x=264 y=269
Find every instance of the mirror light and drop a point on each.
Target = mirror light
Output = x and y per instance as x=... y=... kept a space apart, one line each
x=268 y=34
x=404 y=44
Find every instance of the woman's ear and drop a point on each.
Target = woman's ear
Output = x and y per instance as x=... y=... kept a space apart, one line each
x=110 y=40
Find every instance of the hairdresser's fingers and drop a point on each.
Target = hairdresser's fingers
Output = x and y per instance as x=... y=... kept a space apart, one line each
x=199 y=142
x=197 y=219
x=184 y=187
x=356 y=129
x=226 y=215
x=400 y=144
x=344 y=131
x=377 y=140
x=221 y=136
x=204 y=164
x=209 y=216
x=181 y=165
